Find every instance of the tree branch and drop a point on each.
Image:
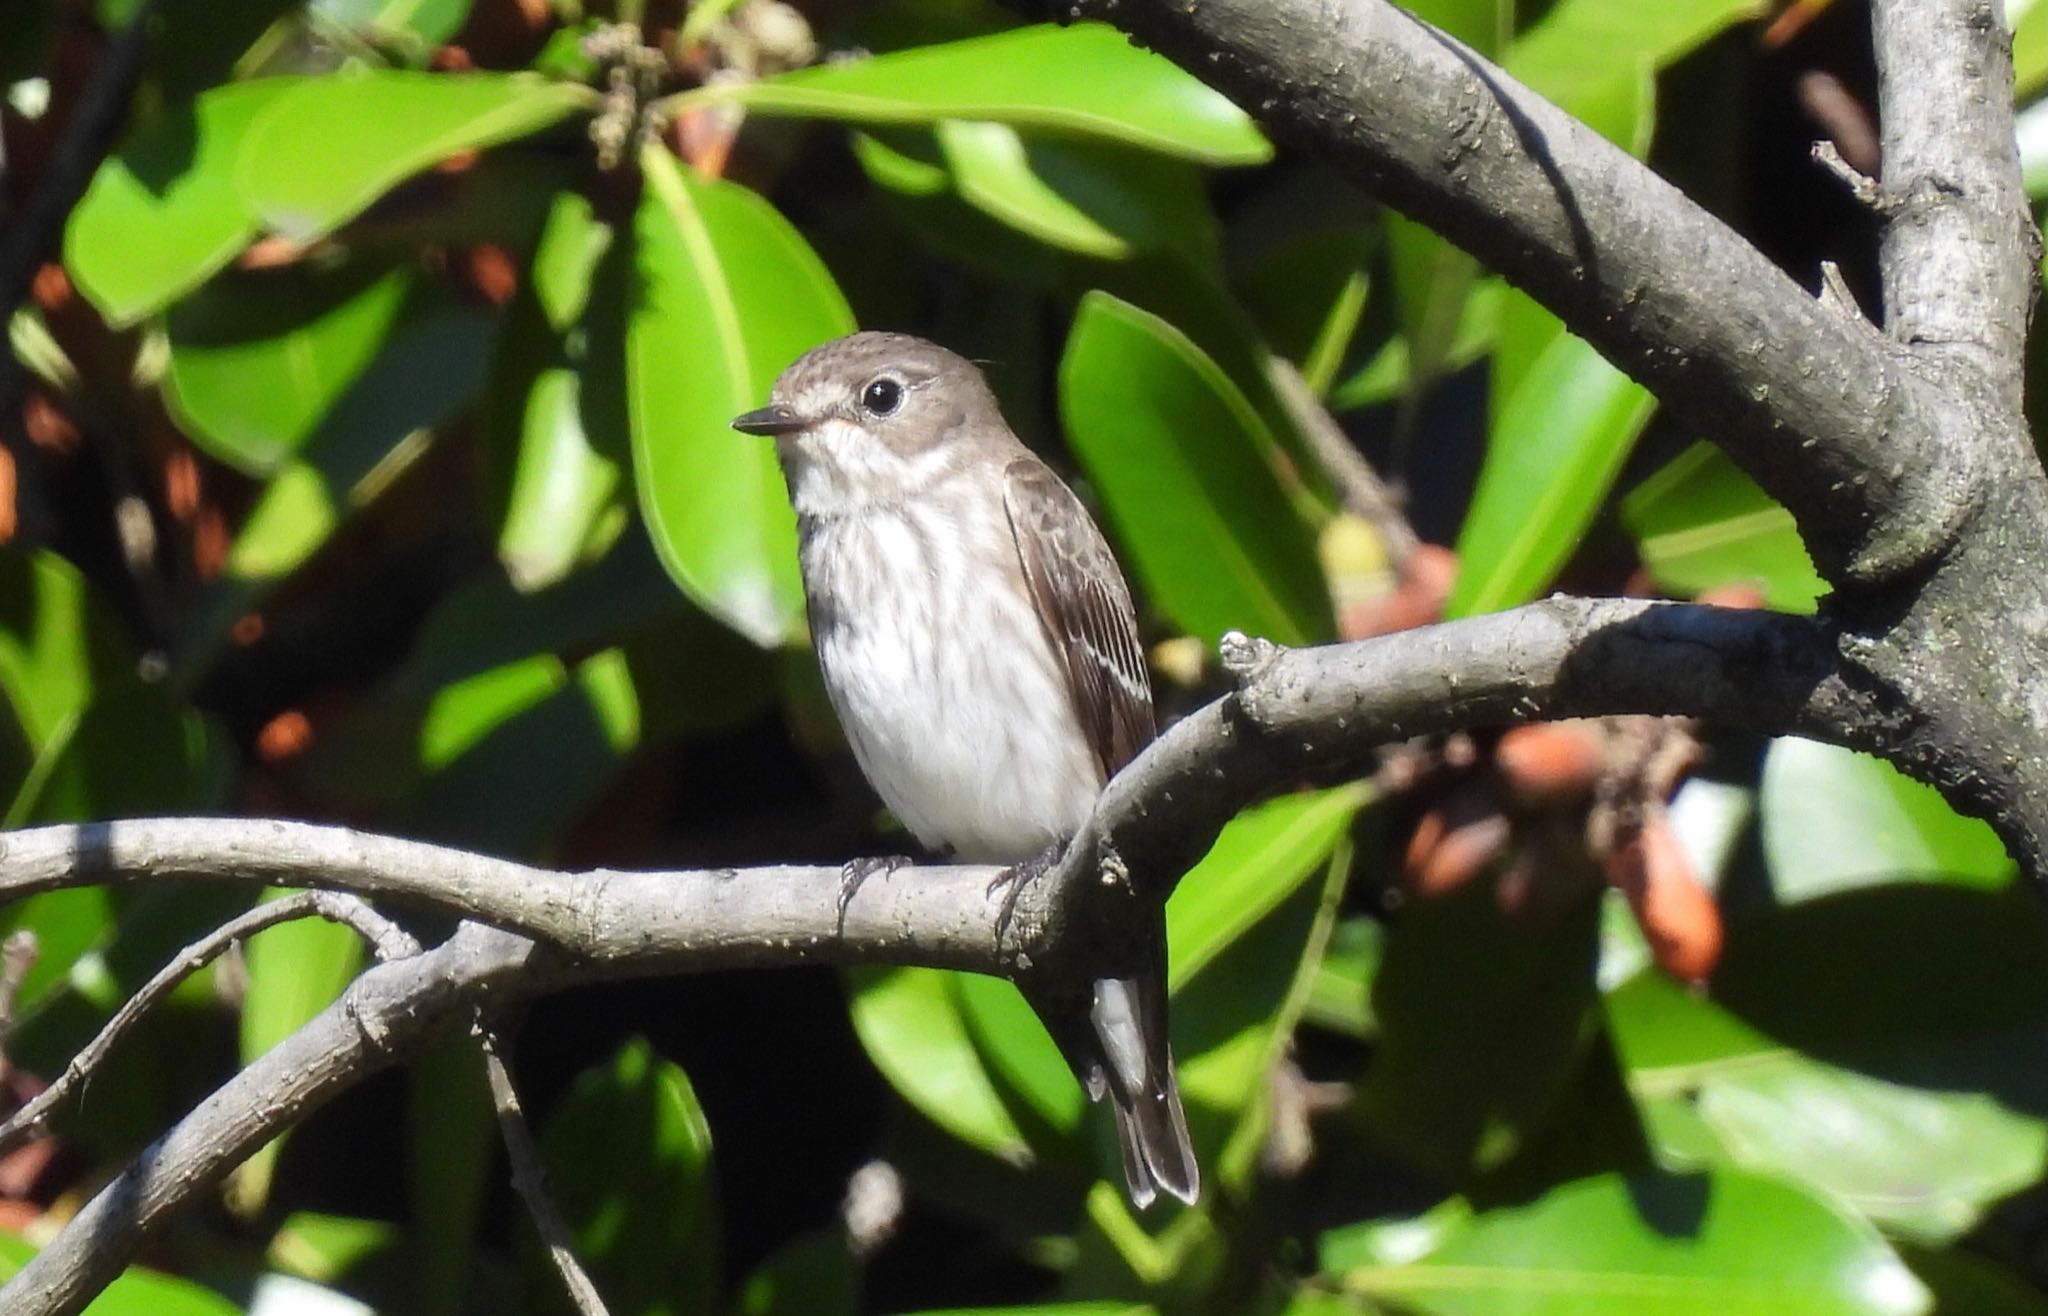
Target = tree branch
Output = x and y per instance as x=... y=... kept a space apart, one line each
x=1811 y=403
x=1956 y=213
x=529 y=1178
x=386 y=939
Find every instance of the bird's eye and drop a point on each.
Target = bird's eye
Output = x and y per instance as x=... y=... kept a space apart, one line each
x=881 y=396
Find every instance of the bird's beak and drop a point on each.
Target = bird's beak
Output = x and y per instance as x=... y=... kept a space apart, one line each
x=768 y=420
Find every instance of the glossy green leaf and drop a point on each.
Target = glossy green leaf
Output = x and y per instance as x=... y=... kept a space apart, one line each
x=2029 y=20
x=1233 y=1021
x=451 y=1165
x=163 y=214
x=296 y=970
x=1051 y=1309
x=558 y=402
x=1019 y=1054
x=56 y=645
x=387 y=375
x=1826 y=1055
x=1340 y=994
x=1557 y=438
x=1086 y=80
x=258 y=363
x=134 y=1292
x=1262 y=856
x=1833 y=819
x=1706 y=1245
x=515 y=755
x=1700 y=522
x=1177 y=455
x=1389 y=373
x=1095 y=199
x=911 y=1025
x=629 y=1161
x=1432 y=280
x=814 y=1275
x=329 y=147
x=1923 y=1159
x=731 y=294
x=1470 y=1064
x=326 y=1249
x=133 y=751
x=1579 y=43
x=1483 y=25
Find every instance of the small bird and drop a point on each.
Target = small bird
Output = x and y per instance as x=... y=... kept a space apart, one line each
x=980 y=647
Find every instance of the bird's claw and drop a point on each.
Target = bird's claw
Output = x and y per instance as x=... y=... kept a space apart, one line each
x=1012 y=881
x=857 y=871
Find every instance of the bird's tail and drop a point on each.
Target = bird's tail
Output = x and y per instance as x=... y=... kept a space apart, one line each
x=1136 y=1072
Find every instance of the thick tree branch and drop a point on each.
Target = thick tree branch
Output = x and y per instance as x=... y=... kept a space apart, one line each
x=1309 y=714
x=1304 y=714
x=1812 y=403
x=1956 y=212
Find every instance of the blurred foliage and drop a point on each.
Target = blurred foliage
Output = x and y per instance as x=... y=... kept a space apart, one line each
x=377 y=470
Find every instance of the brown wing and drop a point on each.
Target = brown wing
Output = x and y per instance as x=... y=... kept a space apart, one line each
x=1086 y=609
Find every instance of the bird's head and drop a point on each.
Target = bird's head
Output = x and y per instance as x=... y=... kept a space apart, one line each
x=874 y=418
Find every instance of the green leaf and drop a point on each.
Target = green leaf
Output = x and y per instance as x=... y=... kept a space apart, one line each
x=163 y=214
x=628 y=1154
x=1389 y=373
x=1470 y=1065
x=813 y=1275
x=1086 y=80
x=912 y=1027
x=1092 y=198
x=515 y=755
x=558 y=404
x=1483 y=25
x=327 y=1249
x=387 y=373
x=1178 y=456
x=1262 y=856
x=1834 y=819
x=259 y=362
x=1019 y=1054
x=296 y=970
x=131 y=752
x=1578 y=44
x=134 y=1292
x=1700 y=522
x=57 y=644
x=451 y=1164
x=1705 y=1245
x=1923 y=1160
x=1881 y=1043
x=2029 y=20
x=322 y=152
x=1560 y=430
x=1433 y=280
x=731 y=294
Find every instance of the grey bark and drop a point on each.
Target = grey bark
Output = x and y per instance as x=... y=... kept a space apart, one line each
x=1901 y=452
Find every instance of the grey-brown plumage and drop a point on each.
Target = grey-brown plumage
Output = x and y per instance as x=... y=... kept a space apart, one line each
x=982 y=652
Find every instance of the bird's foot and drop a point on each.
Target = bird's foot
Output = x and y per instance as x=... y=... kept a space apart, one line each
x=1012 y=881
x=857 y=871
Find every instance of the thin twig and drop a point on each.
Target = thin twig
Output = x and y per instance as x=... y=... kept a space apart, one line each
x=1861 y=185
x=529 y=1176
x=1363 y=490
x=386 y=939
